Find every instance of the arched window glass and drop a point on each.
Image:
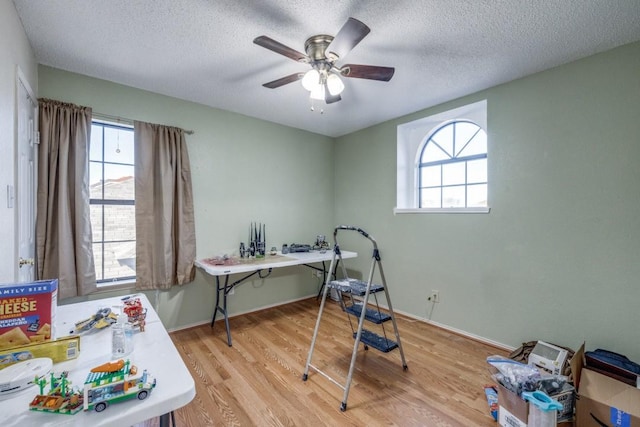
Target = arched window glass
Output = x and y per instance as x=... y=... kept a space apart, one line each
x=452 y=167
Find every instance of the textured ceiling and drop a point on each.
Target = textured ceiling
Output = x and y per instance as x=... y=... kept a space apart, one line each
x=202 y=50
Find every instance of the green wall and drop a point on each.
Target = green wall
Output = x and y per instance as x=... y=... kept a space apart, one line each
x=557 y=258
x=16 y=59
x=243 y=170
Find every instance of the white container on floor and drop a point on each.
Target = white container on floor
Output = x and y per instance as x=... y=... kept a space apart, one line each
x=543 y=411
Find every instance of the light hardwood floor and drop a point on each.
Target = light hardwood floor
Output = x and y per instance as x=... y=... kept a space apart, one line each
x=258 y=381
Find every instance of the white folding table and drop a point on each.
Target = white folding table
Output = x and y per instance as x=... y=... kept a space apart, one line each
x=259 y=266
x=153 y=351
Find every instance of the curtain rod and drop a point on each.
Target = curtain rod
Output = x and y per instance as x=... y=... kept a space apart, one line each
x=127 y=121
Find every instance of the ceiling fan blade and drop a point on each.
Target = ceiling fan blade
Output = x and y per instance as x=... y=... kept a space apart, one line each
x=371 y=72
x=284 y=80
x=278 y=47
x=351 y=33
x=330 y=99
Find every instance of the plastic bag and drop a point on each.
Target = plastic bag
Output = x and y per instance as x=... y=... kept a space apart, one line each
x=514 y=376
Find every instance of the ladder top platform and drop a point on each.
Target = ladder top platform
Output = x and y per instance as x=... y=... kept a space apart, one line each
x=354 y=286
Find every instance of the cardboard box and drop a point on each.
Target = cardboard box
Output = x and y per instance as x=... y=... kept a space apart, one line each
x=513 y=411
x=60 y=350
x=601 y=400
x=27 y=312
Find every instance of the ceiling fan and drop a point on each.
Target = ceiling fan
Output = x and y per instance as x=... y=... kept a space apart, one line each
x=322 y=52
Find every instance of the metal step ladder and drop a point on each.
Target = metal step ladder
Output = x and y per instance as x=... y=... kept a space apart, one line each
x=357 y=294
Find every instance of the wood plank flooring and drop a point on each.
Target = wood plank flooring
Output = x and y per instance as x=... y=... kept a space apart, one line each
x=258 y=381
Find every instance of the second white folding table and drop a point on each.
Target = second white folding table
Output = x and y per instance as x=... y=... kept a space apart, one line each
x=261 y=267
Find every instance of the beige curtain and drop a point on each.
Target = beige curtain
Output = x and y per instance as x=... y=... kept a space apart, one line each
x=63 y=227
x=165 y=229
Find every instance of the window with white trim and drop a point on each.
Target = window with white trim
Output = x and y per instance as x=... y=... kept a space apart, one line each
x=442 y=162
x=112 y=202
x=452 y=170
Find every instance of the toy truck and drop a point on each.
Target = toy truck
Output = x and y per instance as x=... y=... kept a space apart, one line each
x=115 y=382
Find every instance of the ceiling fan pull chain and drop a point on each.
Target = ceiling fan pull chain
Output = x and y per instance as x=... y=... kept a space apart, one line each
x=313 y=107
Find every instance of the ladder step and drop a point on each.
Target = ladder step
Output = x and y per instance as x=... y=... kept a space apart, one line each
x=371 y=315
x=354 y=286
x=376 y=341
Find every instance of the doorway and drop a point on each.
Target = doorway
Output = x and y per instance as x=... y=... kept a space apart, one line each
x=27 y=108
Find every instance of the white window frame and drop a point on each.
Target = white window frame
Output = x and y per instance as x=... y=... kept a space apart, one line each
x=119 y=282
x=410 y=140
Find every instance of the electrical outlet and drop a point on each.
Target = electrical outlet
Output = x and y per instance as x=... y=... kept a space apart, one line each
x=232 y=291
x=434 y=296
x=316 y=273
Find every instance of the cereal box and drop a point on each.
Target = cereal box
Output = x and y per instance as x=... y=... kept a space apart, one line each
x=60 y=350
x=27 y=312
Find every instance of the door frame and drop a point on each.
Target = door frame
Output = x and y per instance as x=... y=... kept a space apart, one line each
x=21 y=80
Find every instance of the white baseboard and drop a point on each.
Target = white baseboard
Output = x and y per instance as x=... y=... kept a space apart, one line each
x=253 y=310
x=409 y=315
x=459 y=331
x=452 y=329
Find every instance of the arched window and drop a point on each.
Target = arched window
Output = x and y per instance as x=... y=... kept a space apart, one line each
x=452 y=167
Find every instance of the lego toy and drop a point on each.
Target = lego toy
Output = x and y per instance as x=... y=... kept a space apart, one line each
x=61 y=398
x=136 y=313
x=103 y=318
x=109 y=383
x=115 y=382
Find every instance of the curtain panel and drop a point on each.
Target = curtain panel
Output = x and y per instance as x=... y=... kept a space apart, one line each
x=63 y=226
x=165 y=228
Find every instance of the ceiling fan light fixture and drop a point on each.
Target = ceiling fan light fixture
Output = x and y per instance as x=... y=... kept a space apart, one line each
x=334 y=84
x=318 y=92
x=322 y=51
x=311 y=80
